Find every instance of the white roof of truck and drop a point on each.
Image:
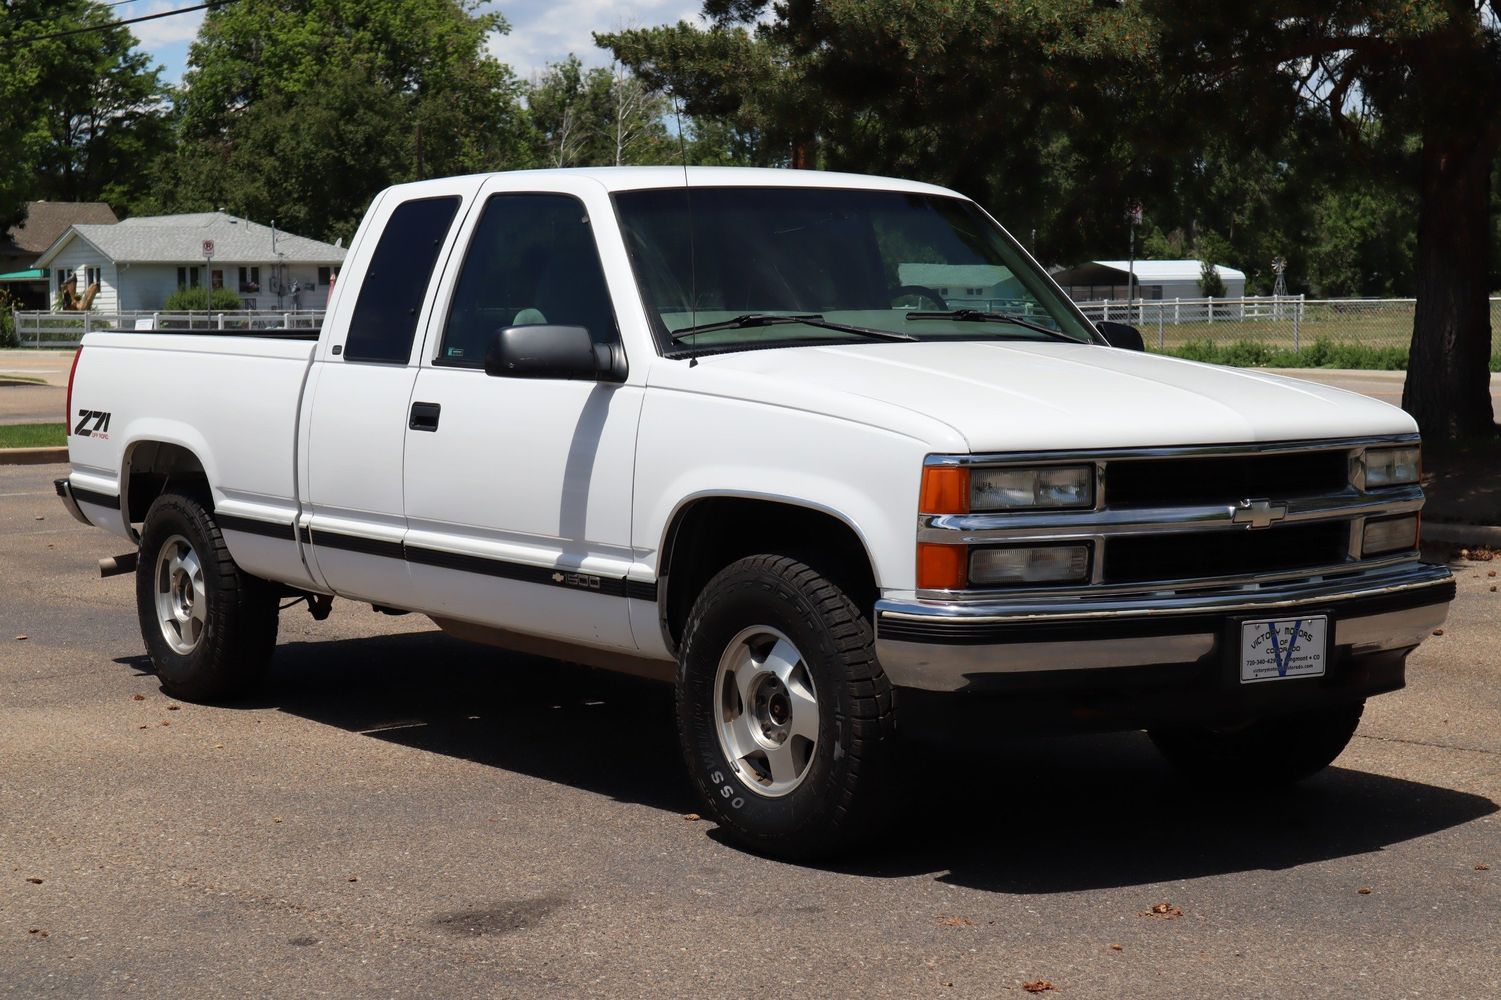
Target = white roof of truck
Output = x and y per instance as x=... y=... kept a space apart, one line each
x=636 y=178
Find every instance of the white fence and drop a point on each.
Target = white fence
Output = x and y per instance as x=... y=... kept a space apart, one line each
x=1292 y=322
x=67 y=329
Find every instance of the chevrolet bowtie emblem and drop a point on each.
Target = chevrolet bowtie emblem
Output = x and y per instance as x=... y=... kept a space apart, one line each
x=558 y=578
x=1258 y=513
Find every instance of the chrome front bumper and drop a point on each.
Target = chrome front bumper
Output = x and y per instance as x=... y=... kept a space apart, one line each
x=937 y=645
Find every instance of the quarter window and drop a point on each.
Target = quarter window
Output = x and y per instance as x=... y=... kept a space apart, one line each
x=385 y=317
x=531 y=261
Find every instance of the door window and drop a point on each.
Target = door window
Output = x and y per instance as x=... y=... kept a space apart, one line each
x=531 y=261
x=385 y=317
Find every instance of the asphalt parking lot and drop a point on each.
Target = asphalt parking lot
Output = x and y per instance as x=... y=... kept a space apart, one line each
x=404 y=815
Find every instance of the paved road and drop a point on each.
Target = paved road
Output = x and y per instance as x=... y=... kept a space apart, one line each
x=404 y=815
x=24 y=401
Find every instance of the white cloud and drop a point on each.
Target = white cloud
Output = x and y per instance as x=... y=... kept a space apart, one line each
x=546 y=31
x=163 y=31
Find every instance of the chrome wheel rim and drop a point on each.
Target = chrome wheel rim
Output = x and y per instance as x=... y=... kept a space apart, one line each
x=766 y=711
x=181 y=601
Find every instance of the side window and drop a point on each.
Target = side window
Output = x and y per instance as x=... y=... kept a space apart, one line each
x=385 y=317
x=532 y=261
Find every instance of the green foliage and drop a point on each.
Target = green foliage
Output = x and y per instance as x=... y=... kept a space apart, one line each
x=301 y=111
x=1320 y=354
x=215 y=299
x=1210 y=282
x=81 y=117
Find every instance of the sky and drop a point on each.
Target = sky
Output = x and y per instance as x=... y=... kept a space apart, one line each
x=542 y=31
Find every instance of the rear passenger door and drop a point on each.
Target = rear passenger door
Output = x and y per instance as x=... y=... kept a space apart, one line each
x=518 y=490
x=359 y=396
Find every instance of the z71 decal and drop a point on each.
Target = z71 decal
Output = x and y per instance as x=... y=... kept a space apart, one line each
x=100 y=421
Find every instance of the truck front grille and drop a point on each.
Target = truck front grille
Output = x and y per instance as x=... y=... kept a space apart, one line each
x=1191 y=555
x=1168 y=482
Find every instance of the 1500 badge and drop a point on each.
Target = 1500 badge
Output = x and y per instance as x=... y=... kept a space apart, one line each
x=100 y=421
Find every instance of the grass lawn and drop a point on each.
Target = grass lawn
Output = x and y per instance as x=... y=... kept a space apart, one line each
x=33 y=435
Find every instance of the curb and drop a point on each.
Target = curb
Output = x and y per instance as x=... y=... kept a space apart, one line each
x=1456 y=533
x=33 y=456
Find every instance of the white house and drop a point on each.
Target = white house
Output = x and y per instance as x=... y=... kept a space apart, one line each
x=140 y=261
x=1155 y=279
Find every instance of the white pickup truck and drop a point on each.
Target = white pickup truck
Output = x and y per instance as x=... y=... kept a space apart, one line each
x=832 y=453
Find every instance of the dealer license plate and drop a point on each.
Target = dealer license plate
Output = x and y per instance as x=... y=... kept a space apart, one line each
x=1277 y=649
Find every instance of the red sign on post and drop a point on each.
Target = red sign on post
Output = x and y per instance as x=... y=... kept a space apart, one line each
x=208 y=248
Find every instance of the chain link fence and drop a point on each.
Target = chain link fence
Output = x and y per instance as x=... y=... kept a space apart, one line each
x=1289 y=323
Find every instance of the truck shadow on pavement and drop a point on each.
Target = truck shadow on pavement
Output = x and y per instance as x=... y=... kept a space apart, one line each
x=1037 y=816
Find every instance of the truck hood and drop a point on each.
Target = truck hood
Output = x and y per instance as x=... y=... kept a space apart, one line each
x=1009 y=395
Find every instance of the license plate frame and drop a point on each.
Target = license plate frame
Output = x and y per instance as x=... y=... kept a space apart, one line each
x=1267 y=655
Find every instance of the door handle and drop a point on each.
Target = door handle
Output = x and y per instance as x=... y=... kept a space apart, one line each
x=425 y=416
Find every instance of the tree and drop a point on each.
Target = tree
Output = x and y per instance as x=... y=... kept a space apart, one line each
x=81 y=116
x=1427 y=69
x=302 y=110
x=598 y=117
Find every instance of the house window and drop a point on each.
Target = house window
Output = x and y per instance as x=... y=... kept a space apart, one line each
x=323 y=275
x=62 y=278
x=187 y=277
x=250 y=279
x=90 y=276
x=216 y=276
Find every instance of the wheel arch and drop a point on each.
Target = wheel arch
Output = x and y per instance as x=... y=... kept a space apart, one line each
x=708 y=531
x=152 y=467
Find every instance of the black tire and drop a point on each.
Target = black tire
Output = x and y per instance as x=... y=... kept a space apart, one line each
x=1265 y=754
x=233 y=642
x=845 y=779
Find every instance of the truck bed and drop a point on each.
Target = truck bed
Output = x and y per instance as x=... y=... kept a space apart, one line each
x=230 y=400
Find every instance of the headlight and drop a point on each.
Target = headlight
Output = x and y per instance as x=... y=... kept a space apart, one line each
x=1029 y=564
x=1391 y=534
x=1017 y=489
x=1392 y=466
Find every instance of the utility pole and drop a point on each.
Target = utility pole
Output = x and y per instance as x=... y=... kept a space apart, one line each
x=1133 y=216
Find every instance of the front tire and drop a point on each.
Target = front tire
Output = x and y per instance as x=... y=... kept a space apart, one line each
x=785 y=717
x=1265 y=754
x=209 y=627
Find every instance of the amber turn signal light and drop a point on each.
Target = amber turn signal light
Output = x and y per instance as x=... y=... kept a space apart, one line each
x=945 y=490
x=942 y=567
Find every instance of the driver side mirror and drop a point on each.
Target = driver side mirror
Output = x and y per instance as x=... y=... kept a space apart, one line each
x=1121 y=335
x=556 y=352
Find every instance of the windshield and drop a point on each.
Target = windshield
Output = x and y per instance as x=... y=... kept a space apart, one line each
x=855 y=264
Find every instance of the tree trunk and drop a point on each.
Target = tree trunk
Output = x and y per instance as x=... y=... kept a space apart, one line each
x=1448 y=371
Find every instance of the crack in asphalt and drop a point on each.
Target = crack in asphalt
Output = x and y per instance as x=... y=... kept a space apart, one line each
x=1425 y=743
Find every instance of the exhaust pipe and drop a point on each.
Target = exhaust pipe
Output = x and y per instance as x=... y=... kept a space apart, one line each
x=118 y=565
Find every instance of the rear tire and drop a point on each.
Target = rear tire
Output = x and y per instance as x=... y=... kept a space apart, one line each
x=209 y=627
x=785 y=716
x=1266 y=754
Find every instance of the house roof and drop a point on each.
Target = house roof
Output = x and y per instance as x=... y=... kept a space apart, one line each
x=47 y=220
x=177 y=239
x=1151 y=270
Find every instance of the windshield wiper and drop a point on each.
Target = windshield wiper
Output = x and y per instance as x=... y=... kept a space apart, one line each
x=981 y=316
x=750 y=320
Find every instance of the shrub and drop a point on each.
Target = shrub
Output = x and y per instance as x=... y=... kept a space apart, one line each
x=1320 y=354
x=202 y=299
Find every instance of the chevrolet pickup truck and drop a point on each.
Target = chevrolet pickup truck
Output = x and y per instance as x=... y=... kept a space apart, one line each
x=830 y=453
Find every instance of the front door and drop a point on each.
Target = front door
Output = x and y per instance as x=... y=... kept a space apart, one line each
x=518 y=490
